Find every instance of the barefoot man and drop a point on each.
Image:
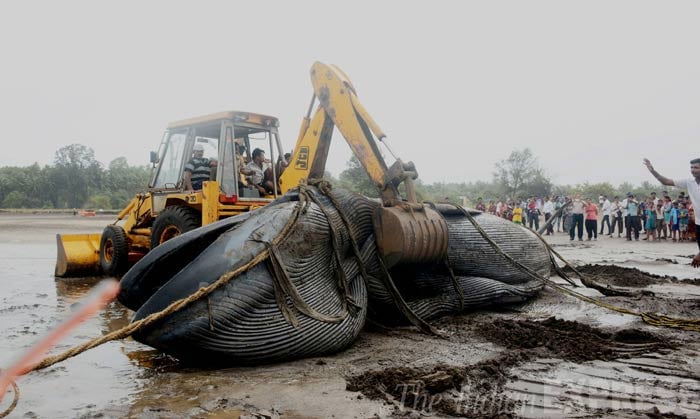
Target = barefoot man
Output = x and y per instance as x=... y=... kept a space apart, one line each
x=693 y=187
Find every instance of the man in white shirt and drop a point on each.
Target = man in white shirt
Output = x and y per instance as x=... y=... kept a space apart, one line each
x=577 y=210
x=616 y=215
x=606 y=208
x=625 y=214
x=255 y=172
x=693 y=187
x=548 y=209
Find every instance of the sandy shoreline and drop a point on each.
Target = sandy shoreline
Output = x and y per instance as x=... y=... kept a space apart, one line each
x=535 y=375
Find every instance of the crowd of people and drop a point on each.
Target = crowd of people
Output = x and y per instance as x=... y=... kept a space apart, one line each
x=651 y=218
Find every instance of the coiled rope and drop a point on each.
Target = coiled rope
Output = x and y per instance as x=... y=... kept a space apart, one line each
x=15 y=400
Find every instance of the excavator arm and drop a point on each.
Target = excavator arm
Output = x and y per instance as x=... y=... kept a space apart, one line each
x=339 y=107
x=405 y=230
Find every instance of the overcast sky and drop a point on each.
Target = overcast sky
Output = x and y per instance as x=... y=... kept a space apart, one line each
x=591 y=87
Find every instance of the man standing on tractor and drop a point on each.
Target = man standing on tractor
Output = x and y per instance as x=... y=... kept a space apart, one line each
x=198 y=169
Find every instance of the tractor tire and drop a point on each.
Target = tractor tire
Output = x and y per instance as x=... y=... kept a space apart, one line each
x=172 y=222
x=114 y=251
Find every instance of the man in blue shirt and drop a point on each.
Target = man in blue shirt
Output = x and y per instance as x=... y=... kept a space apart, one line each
x=633 y=220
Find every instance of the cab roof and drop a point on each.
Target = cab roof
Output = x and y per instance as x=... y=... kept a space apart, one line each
x=236 y=116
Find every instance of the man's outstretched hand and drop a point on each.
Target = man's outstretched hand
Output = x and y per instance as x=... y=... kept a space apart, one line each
x=647 y=163
x=696 y=261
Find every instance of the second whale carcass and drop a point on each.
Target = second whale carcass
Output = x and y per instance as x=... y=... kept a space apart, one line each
x=304 y=273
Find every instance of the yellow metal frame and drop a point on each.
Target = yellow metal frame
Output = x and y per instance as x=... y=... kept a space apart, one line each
x=339 y=107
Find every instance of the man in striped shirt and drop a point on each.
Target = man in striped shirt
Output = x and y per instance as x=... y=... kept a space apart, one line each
x=198 y=169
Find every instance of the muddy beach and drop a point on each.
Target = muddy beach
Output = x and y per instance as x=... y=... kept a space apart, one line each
x=552 y=356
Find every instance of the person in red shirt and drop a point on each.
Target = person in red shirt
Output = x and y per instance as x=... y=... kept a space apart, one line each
x=491 y=208
x=591 y=219
x=533 y=214
x=480 y=205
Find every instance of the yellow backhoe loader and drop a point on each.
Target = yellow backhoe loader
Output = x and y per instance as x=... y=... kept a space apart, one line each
x=167 y=209
x=406 y=231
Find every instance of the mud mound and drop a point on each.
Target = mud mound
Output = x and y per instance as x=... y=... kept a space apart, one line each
x=691 y=281
x=654 y=413
x=635 y=336
x=569 y=340
x=620 y=276
x=472 y=391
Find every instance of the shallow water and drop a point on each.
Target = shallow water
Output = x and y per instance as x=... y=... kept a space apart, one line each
x=32 y=302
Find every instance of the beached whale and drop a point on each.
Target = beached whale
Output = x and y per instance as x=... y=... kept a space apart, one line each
x=313 y=292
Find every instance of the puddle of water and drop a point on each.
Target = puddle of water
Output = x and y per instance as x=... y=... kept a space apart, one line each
x=31 y=303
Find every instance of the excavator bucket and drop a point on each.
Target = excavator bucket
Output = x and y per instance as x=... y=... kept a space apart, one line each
x=78 y=255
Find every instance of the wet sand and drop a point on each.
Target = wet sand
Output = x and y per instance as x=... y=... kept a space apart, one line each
x=553 y=356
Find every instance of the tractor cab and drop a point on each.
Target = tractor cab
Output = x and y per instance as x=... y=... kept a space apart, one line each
x=229 y=138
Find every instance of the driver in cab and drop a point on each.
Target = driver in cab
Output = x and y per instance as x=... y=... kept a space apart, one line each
x=198 y=169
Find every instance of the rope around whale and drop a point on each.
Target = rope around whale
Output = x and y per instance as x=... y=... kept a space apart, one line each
x=653 y=319
x=128 y=330
x=283 y=288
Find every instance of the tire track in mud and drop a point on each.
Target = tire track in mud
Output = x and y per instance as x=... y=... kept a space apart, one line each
x=486 y=389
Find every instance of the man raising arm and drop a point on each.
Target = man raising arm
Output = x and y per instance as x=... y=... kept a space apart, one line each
x=693 y=187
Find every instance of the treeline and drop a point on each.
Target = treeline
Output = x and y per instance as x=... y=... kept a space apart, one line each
x=75 y=180
x=517 y=177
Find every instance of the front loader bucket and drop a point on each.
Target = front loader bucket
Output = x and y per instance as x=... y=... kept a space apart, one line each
x=78 y=255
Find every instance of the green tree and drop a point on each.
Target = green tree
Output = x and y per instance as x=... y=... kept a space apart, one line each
x=48 y=188
x=520 y=175
x=26 y=181
x=121 y=182
x=78 y=174
x=538 y=185
x=356 y=179
x=624 y=188
x=16 y=199
x=594 y=190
